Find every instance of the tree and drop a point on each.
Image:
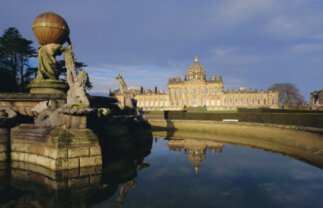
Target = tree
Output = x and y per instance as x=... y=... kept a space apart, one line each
x=289 y=95
x=15 y=54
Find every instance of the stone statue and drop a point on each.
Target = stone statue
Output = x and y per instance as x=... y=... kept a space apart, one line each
x=46 y=114
x=47 y=65
x=122 y=84
x=76 y=94
x=7 y=116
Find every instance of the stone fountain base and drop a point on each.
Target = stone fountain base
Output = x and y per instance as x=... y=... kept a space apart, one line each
x=55 y=148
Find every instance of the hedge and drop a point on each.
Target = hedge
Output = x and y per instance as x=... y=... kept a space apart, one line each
x=298 y=119
x=269 y=110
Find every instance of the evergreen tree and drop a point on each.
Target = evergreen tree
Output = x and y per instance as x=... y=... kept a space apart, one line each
x=15 y=52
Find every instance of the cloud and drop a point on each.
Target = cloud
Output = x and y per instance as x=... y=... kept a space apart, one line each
x=307 y=48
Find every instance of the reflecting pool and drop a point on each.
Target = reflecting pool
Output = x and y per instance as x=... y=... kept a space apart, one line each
x=168 y=173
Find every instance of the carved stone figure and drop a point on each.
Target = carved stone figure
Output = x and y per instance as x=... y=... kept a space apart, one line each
x=47 y=65
x=128 y=96
x=7 y=116
x=76 y=94
x=47 y=115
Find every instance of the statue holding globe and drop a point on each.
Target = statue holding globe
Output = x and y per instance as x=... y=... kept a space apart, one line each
x=51 y=31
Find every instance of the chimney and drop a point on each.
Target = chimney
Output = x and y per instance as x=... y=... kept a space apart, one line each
x=214 y=77
x=155 y=90
x=141 y=90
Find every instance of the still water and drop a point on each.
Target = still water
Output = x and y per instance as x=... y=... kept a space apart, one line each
x=170 y=173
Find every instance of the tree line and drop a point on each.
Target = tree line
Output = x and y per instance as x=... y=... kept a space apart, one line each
x=16 y=70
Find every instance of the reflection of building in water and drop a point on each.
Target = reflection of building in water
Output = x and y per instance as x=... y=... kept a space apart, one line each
x=195 y=149
x=317 y=99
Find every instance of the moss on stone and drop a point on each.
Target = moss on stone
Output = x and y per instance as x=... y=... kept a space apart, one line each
x=48 y=84
x=62 y=138
x=78 y=106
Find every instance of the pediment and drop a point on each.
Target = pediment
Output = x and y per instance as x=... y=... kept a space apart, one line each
x=195 y=82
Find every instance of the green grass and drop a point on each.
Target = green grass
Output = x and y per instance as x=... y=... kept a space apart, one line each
x=156 y=112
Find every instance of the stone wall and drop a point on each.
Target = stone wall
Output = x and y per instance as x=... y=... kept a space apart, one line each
x=24 y=102
x=55 y=149
x=4 y=135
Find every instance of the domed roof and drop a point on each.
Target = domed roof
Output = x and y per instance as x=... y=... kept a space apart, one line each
x=196 y=66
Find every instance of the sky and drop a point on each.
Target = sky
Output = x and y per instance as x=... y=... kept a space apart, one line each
x=250 y=43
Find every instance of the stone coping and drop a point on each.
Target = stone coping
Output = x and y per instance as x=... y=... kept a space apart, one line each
x=293 y=127
x=30 y=96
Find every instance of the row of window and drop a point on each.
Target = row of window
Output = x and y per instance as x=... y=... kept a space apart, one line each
x=202 y=91
x=226 y=102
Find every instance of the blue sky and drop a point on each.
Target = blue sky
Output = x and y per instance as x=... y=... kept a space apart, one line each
x=251 y=43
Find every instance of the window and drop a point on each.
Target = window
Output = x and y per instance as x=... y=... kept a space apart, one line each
x=236 y=102
x=258 y=101
x=202 y=102
x=247 y=101
x=172 y=91
x=201 y=91
x=194 y=101
x=177 y=92
x=171 y=102
x=213 y=103
x=273 y=101
x=141 y=103
x=187 y=91
x=218 y=102
x=241 y=102
x=161 y=103
x=166 y=103
x=187 y=102
x=194 y=91
x=230 y=101
x=212 y=91
x=182 y=102
x=146 y=102
x=225 y=101
x=253 y=101
x=182 y=91
x=207 y=102
x=206 y=91
x=177 y=102
x=196 y=76
x=264 y=101
x=151 y=103
x=156 y=103
x=218 y=90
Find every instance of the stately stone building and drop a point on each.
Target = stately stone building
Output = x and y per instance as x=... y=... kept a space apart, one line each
x=196 y=91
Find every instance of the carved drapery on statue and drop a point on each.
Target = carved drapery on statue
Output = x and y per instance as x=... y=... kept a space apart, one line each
x=47 y=65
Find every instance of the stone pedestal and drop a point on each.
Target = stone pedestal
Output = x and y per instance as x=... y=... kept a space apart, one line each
x=47 y=87
x=4 y=136
x=55 y=148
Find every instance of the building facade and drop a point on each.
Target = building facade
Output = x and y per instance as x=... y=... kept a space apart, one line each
x=196 y=91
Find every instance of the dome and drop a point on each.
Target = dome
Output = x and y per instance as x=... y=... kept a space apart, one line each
x=196 y=66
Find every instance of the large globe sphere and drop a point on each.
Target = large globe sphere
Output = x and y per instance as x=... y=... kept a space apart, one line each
x=49 y=28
